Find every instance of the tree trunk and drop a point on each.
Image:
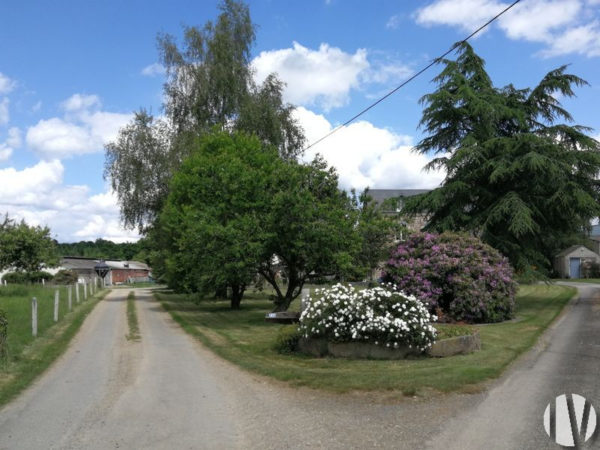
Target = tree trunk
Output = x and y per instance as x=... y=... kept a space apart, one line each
x=237 y=292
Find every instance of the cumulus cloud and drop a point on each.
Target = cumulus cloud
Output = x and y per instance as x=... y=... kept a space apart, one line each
x=153 y=70
x=325 y=77
x=6 y=84
x=38 y=195
x=4 y=114
x=83 y=129
x=79 y=102
x=560 y=24
x=365 y=155
x=12 y=141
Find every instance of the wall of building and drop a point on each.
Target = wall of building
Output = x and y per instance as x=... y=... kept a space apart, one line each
x=122 y=275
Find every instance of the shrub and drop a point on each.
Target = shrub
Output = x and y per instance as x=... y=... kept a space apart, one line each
x=287 y=338
x=26 y=277
x=591 y=269
x=379 y=315
x=455 y=274
x=65 y=277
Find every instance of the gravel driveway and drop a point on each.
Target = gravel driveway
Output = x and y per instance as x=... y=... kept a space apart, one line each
x=168 y=392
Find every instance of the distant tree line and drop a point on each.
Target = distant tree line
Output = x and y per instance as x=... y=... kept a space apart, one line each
x=102 y=249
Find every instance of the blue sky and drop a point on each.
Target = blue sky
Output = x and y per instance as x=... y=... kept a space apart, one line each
x=72 y=72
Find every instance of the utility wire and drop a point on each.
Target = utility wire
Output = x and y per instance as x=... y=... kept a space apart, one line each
x=432 y=63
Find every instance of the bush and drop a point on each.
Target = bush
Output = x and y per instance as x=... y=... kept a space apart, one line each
x=287 y=338
x=27 y=277
x=65 y=277
x=591 y=269
x=456 y=275
x=380 y=315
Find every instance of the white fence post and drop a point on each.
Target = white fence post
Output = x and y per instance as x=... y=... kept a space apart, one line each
x=85 y=291
x=70 y=297
x=43 y=282
x=77 y=292
x=56 y=299
x=34 y=316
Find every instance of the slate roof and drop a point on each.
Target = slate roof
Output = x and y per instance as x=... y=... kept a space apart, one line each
x=379 y=195
x=571 y=249
x=76 y=262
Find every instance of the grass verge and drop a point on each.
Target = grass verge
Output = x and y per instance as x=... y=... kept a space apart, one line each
x=580 y=280
x=38 y=354
x=132 y=320
x=244 y=338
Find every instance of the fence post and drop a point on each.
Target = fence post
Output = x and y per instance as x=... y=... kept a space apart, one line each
x=3 y=336
x=85 y=291
x=70 y=296
x=43 y=282
x=56 y=299
x=34 y=316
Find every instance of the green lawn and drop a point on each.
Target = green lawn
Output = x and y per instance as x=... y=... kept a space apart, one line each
x=244 y=338
x=28 y=356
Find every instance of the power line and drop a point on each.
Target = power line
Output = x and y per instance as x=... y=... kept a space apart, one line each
x=432 y=63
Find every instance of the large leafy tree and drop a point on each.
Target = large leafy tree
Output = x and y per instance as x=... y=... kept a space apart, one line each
x=378 y=234
x=237 y=210
x=26 y=248
x=209 y=84
x=310 y=226
x=516 y=175
x=212 y=221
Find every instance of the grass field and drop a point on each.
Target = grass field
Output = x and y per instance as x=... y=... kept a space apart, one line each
x=29 y=356
x=244 y=338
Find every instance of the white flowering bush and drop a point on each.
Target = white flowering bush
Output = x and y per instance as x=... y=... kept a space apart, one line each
x=380 y=315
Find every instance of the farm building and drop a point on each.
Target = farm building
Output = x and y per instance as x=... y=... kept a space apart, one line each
x=569 y=262
x=118 y=271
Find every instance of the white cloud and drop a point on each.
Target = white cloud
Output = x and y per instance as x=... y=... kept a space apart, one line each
x=538 y=20
x=38 y=195
x=5 y=152
x=84 y=129
x=4 y=114
x=12 y=141
x=465 y=14
x=153 y=70
x=393 y=22
x=324 y=76
x=584 y=40
x=365 y=155
x=6 y=84
x=79 y=102
x=14 y=137
x=559 y=24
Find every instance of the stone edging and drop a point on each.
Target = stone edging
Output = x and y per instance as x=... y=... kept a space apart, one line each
x=364 y=350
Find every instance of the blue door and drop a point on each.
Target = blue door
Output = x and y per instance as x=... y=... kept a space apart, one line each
x=575 y=268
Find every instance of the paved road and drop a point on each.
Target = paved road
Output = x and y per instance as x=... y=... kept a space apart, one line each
x=168 y=392
x=567 y=360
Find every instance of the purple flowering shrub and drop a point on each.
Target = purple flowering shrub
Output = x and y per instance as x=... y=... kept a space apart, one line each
x=456 y=275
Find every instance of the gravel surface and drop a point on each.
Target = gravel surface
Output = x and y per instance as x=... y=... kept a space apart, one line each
x=168 y=392
x=565 y=361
